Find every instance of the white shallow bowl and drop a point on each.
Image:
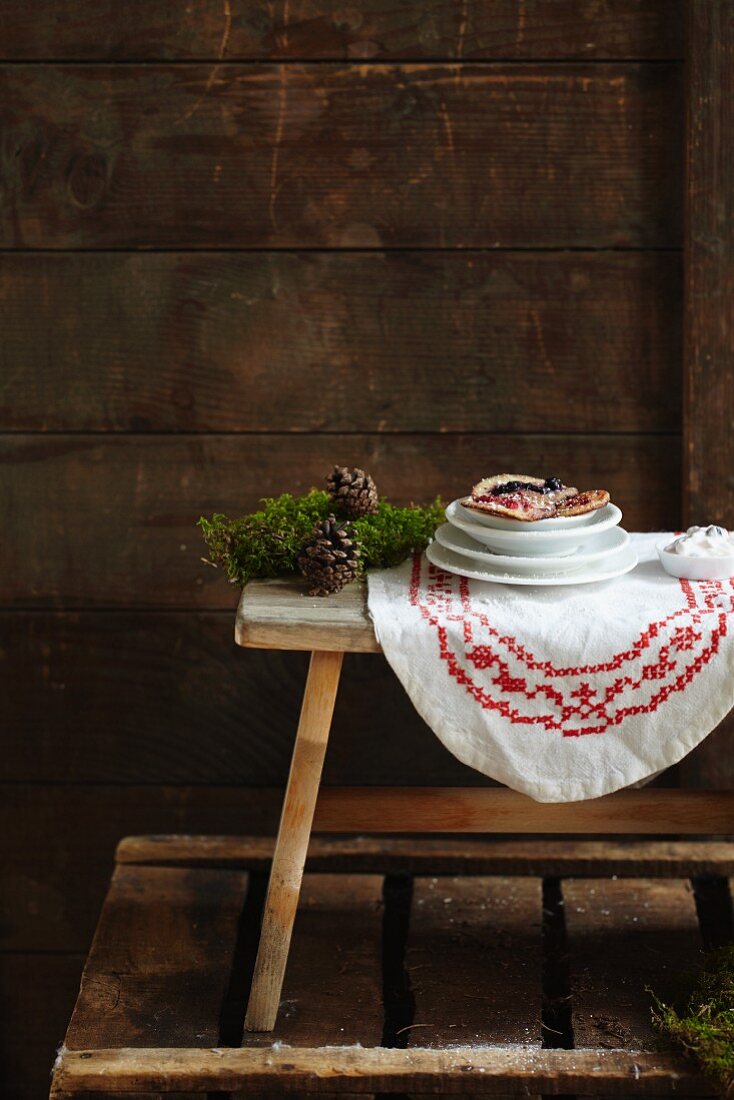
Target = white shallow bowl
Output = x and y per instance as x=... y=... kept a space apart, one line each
x=539 y=541
x=695 y=569
x=613 y=565
x=499 y=523
x=458 y=542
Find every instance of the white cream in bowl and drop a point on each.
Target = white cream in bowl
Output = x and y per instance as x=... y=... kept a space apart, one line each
x=701 y=554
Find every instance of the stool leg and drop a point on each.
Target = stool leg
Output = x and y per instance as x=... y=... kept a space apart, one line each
x=293 y=835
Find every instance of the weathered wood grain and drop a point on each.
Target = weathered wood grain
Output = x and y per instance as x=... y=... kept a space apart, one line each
x=55 y=869
x=155 y=931
x=36 y=998
x=109 y=522
x=649 y=811
x=709 y=266
x=168 y=698
x=280 y=614
x=332 y=995
x=144 y=698
x=709 y=322
x=123 y=699
x=208 y=29
x=625 y=938
x=445 y=856
x=474 y=961
x=425 y=341
x=159 y=966
x=464 y=1069
x=327 y=155
x=105 y=1094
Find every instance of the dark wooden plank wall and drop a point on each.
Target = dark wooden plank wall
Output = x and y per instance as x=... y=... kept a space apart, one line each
x=708 y=449
x=241 y=241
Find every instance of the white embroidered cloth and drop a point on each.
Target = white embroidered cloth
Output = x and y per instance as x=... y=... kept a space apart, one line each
x=562 y=693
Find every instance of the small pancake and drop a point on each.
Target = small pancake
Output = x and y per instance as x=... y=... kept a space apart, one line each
x=527 y=499
x=588 y=501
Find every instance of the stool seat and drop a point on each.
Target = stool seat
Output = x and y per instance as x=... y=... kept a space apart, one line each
x=279 y=614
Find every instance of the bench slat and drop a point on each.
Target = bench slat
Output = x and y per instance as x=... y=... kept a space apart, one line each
x=470 y=1069
x=626 y=937
x=429 y=855
x=332 y=994
x=160 y=962
x=655 y=811
x=474 y=961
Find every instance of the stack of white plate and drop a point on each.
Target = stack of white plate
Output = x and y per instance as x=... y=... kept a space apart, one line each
x=574 y=550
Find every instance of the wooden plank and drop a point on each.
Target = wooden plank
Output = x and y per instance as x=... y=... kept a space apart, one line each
x=133 y=500
x=709 y=278
x=280 y=614
x=291 y=844
x=467 y=1069
x=332 y=995
x=341 y=156
x=160 y=963
x=498 y=810
x=468 y=856
x=474 y=961
x=147 y=698
x=37 y=994
x=220 y=715
x=326 y=30
x=709 y=264
x=625 y=938
x=106 y=1095
x=57 y=845
x=441 y=341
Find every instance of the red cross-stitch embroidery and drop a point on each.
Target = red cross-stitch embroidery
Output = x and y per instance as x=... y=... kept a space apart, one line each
x=578 y=700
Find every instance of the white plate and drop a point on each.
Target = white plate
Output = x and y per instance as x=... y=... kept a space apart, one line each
x=536 y=542
x=451 y=538
x=615 y=565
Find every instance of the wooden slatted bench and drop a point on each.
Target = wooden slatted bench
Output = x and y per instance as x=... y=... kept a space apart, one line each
x=525 y=974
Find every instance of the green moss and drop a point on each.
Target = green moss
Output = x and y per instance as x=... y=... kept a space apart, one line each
x=393 y=534
x=703 y=1025
x=265 y=543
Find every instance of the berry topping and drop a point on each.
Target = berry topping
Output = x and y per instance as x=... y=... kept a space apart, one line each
x=550 y=485
x=515 y=487
x=553 y=484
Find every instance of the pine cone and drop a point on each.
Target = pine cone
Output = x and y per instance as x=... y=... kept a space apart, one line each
x=330 y=558
x=354 y=491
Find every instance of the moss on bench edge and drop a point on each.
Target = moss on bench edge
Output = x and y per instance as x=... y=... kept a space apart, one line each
x=265 y=544
x=703 y=1025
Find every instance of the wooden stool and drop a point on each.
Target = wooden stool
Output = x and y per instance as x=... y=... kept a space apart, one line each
x=277 y=615
x=404 y=978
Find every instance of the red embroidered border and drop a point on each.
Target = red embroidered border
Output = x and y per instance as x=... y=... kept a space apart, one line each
x=437 y=607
